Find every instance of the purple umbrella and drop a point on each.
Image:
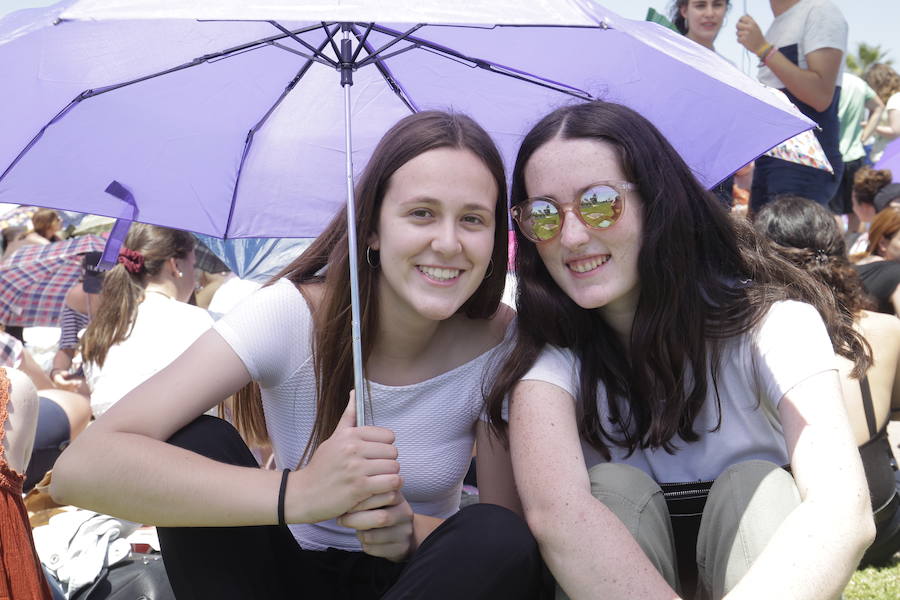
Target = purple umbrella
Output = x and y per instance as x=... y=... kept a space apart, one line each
x=233 y=119
x=890 y=159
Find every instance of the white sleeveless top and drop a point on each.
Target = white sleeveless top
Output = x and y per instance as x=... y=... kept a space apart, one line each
x=434 y=420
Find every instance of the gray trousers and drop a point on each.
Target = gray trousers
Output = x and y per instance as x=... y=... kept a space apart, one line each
x=746 y=504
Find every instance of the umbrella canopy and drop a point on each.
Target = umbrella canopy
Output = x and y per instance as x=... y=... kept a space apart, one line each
x=34 y=281
x=255 y=259
x=19 y=216
x=229 y=126
x=890 y=159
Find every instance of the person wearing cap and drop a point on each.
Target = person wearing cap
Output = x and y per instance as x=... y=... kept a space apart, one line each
x=81 y=303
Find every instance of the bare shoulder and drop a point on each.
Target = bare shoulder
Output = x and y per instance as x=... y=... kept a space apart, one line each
x=880 y=329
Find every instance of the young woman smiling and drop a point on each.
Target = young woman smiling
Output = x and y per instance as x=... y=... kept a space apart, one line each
x=664 y=355
x=351 y=512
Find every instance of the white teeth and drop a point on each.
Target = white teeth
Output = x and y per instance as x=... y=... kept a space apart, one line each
x=585 y=266
x=440 y=274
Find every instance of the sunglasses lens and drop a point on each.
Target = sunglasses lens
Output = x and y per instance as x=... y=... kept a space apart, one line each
x=601 y=206
x=540 y=220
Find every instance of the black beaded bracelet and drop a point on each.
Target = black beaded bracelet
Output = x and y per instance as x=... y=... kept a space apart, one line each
x=281 y=491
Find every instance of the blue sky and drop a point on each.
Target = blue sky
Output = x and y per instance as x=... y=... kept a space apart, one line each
x=871 y=21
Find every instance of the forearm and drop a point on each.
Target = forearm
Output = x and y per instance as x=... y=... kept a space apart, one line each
x=593 y=555
x=62 y=360
x=811 y=556
x=148 y=481
x=807 y=86
x=886 y=131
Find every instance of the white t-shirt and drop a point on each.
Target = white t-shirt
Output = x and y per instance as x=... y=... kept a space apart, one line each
x=433 y=421
x=757 y=368
x=881 y=142
x=163 y=329
x=807 y=26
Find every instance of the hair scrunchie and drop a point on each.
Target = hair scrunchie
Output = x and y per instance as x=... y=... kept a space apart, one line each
x=132 y=260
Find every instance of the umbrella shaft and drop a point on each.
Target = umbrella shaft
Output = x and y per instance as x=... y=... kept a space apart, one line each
x=353 y=252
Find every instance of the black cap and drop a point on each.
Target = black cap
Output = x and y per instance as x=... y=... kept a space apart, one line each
x=886 y=195
x=93 y=277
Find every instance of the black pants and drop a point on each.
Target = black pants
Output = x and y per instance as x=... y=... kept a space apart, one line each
x=484 y=551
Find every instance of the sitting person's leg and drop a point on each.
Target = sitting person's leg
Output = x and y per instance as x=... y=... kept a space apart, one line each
x=483 y=551
x=638 y=502
x=746 y=505
x=225 y=562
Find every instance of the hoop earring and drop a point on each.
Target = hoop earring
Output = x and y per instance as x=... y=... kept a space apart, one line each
x=374 y=264
x=490 y=269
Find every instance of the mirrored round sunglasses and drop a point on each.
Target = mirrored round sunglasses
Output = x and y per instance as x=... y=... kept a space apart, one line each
x=600 y=206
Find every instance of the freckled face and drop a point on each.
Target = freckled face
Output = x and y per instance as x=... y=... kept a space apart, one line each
x=435 y=233
x=596 y=268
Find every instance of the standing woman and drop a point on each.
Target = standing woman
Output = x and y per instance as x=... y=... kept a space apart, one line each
x=806 y=234
x=372 y=511
x=700 y=21
x=886 y=83
x=659 y=343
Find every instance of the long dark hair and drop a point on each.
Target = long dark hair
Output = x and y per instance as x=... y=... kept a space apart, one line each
x=123 y=291
x=806 y=234
x=704 y=277
x=409 y=138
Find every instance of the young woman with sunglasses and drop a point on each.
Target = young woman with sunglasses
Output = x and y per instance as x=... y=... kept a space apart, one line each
x=350 y=512
x=660 y=344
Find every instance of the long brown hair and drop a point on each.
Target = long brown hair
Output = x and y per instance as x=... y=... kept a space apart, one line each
x=326 y=262
x=704 y=277
x=883 y=79
x=806 y=234
x=123 y=290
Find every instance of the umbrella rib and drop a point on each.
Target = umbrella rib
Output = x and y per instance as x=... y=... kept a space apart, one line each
x=306 y=44
x=398 y=37
x=385 y=71
x=250 y=134
x=361 y=42
x=487 y=65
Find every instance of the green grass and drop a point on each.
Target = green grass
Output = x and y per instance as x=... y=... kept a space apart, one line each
x=875 y=584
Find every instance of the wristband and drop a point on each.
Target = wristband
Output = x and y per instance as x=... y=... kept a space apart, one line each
x=765 y=48
x=768 y=55
x=281 y=491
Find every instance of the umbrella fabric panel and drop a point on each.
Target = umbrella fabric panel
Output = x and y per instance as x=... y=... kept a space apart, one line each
x=35 y=280
x=407 y=11
x=174 y=141
x=177 y=141
x=37 y=303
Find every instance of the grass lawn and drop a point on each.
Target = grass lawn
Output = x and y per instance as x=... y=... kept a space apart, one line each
x=875 y=584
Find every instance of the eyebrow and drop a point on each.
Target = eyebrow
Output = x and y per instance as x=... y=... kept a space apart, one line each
x=434 y=201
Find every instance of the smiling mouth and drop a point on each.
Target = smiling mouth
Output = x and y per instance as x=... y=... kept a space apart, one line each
x=439 y=274
x=587 y=264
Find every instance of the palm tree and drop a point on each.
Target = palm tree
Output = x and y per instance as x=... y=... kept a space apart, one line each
x=865 y=57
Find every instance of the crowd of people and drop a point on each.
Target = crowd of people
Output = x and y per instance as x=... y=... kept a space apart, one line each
x=680 y=397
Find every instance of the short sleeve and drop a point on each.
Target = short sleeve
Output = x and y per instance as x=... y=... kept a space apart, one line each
x=790 y=345
x=825 y=27
x=893 y=102
x=270 y=331
x=558 y=366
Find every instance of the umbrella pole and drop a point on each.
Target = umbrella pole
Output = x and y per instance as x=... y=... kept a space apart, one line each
x=358 y=381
